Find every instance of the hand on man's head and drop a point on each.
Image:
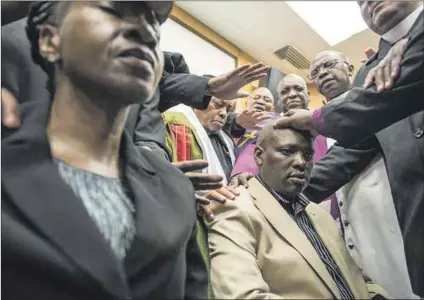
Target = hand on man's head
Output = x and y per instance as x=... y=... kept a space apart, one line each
x=301 y=119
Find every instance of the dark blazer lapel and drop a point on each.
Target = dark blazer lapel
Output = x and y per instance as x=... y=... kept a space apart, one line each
x=289 y=230
x=145 y=188
x=32 y=181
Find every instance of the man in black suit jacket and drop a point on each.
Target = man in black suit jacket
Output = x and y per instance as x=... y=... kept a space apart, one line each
x=53 y=246
x=401 y=142
x=375 y=110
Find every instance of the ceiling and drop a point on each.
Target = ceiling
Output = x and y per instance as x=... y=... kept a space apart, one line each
x=259 y=28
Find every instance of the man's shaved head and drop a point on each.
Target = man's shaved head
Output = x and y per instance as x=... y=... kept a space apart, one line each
x=267 y=134
x=290 y=78
x=332 y=54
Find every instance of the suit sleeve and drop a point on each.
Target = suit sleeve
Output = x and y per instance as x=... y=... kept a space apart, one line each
x=363 y=112
x=188 y=89
x=145 y=124
x=338 y=167
x=235 y=272
x=232 y=128
x=196 y=286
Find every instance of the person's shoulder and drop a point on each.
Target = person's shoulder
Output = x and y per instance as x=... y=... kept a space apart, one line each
x=176 y=118
x=242 y=204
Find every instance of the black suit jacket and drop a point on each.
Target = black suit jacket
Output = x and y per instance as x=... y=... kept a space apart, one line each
x=363 y=112
x=177 y=85
x=51 y=249
x=402 y=146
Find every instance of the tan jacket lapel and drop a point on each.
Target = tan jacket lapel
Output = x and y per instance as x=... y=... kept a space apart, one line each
x=317 y=220
x=288 y=229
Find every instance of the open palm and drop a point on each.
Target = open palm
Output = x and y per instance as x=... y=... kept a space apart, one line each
x=227 y=86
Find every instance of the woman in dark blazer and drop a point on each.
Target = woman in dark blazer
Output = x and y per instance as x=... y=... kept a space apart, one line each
x=84 y=214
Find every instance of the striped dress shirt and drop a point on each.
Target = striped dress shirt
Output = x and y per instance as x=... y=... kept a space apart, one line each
x=296 y=210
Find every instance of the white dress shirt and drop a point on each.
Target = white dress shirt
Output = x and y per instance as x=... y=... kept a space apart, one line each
x=402 y=29
x=372 y=232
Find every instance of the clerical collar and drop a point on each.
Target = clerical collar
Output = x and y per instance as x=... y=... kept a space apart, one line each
x=402 y=29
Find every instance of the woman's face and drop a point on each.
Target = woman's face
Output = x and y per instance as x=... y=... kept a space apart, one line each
x=111 y=47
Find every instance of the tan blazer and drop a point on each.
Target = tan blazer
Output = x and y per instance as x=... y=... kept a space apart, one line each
x=258 y=252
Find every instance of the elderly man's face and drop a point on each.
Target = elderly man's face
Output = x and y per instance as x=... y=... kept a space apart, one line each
x=214 y=117
x=260 y=99
x=331 y=74
x=381 y=16
x=293 y=93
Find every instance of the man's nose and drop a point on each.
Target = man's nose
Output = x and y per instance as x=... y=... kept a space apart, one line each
x=322 y=72
x=223 y=113
x=292 y=93
x=300 y=161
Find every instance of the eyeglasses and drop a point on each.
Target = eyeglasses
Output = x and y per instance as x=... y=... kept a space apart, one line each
x=327 y=65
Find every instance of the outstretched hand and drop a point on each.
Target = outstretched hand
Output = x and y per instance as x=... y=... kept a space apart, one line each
x=249 y=119
x=386 y=72
x=199 y=180
x=227 y=86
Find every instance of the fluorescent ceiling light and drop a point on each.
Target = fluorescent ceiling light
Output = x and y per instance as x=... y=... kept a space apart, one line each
x=334 y=21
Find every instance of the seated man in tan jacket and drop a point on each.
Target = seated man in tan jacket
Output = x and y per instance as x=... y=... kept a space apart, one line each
x=272 y=242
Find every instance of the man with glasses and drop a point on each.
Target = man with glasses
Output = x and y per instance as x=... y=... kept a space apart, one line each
x=365 y=201
x=364 y=112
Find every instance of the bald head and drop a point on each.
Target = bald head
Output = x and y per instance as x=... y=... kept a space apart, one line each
x=292 y=93
x=331 y=54
x=261 y=99
x=331 y=73
x=268 y=133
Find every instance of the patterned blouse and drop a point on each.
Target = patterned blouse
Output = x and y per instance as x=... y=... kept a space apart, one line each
x=107 y=204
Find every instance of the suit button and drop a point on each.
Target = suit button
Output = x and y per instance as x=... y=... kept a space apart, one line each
x=346 y=223
x=350 y=246
x=418 y=133
x=341 y=203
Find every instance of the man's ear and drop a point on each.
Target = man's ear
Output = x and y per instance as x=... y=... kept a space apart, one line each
x=48 y=42
x=351 y=68
x=258 y=155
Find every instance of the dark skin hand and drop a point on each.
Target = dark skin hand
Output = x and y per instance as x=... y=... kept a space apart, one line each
x=200 y=181
x=383 y=76
x=388 y=69
x=226 y=87
x=241 y=179
x=223 y=194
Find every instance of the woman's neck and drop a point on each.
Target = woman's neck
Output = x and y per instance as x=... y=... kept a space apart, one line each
x=86 y=131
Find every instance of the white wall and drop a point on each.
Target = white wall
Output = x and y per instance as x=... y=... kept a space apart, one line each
x=201 y=56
